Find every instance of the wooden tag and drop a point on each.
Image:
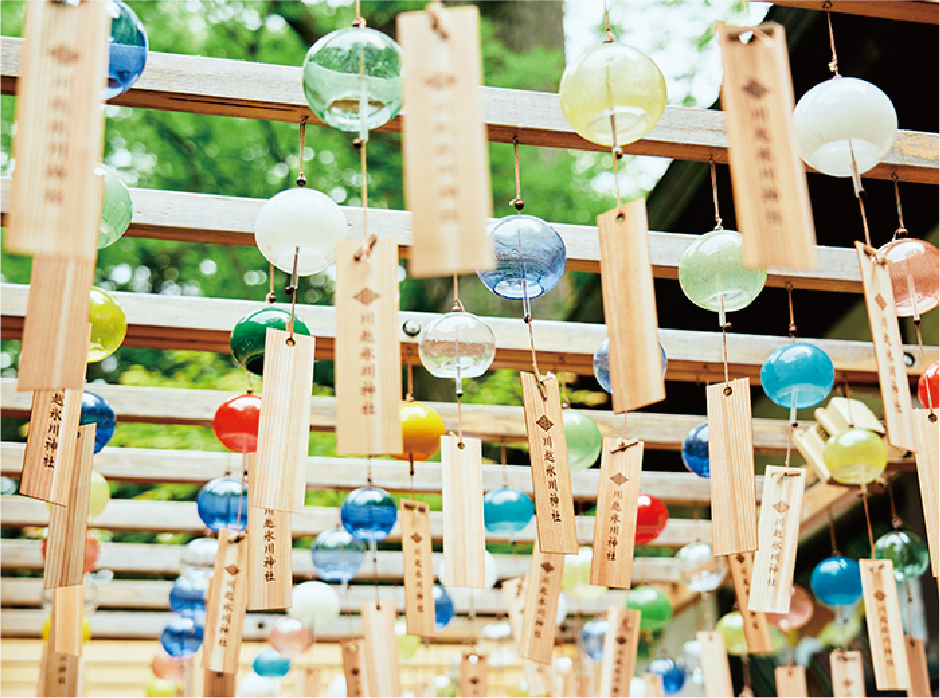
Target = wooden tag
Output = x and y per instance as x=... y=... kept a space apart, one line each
x=280 y=470
x=418 y=567
x=848 y=676
x=791 y=681
x=889 y=351
x=68 y=606
x=885 y=632
x=446 y=166
x=771 y=199
x=220 y=684
x=636 y=375
x=55 y=201
x=270 y=559
x=620 y=646
x=927 y=457
x=778 y=535
x=548 y=452
x=568 y=683
x=59 y=674
x=615 y=520
x=472 y=674
x=756 y=630
x=582 y=686
x=54 y=353
x=462 y=494
x=308 y=683
x=543 y=587
x=715 y=668
x=352 y=668
x=368 y=357
x=538 y=677
x=731 y=453
x=65 y=541
x=514 y=591
x=654 y=685
x=381 y=661
x=50 y=445
x=917 y=667
x=226 y=603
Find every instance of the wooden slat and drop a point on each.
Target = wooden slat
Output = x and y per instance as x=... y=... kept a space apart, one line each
x=181 y=517
x=273 y=93
x=205 y=324
x=922 y=11
x=142 y=465
x=229 y=220
x=147 y=558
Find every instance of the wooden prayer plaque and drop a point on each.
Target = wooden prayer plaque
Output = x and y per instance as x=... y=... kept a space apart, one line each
x=731 y=454
x=50 y=445
x=514 y=590
x=280 y=470
x=381 y=662
x=543 y=587
x=715 y=668
x=927 y=456
x=778 y=535
x=548 y=452
x=620 y=646
x=538 y=677
x=310 y=681
x=55 y=199
x=418 y=567
x=568 y=683
x=462 y=494
x=654 y=685
x=472 y=674
x=791 y=681
x=54 y=354
x=68 y=610
x=446 y=166
x=615 y=519
x=848 y=676
x=889 y=351
x=353 y=668
x=582 y=686
x=65 y=540
x=917 y=667
x=219 y=684
x=885 y=632
x=270 y=559
x=59 y=674
x=226 y=603
x=636 y=376
x=771 y=200
x=756 y=630
x=368 y=357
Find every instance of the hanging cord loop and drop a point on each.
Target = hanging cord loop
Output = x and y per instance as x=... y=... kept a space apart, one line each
x=901 y=231
x=301 y=178
x=711 y=163
x=517 y=203
x=834 y=63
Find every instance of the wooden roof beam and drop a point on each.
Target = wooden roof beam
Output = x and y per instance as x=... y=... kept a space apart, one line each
x=921 y=11
x=223 y=87
x=205 y=324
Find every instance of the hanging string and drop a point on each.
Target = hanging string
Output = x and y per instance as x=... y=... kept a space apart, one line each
x=301 y=179
x=746 y=671
x=834 y=63
x=832 y=532
x=360 y=143
x=564 y=390
x=848 y=404
x=901 y=231
x=502 y=460
x=895 y=519
x=517 y=202
x=271 y=297
x=793 y=420
x=458 y=307
x=871 y=538
x=859 y=194
x=292 y=292
x=711 y=163
x=609 y=37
